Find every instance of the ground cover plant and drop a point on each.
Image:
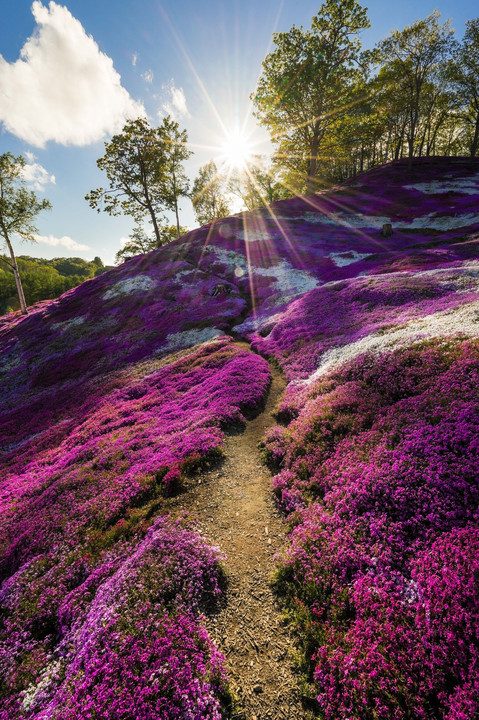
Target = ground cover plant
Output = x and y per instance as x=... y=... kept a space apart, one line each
x=379 y=473
x=113 y=393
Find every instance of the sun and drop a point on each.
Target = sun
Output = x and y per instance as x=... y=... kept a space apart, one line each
x=236 y=150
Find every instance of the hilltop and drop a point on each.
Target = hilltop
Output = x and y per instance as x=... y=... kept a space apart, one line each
x=118 y=396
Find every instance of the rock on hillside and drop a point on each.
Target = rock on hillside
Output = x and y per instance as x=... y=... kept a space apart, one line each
x=116 y=390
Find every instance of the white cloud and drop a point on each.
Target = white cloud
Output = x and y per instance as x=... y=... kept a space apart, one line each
x=124 y=241
x=148 y=76
x=35 y=174
x=175 y=102
x=134 y=58
x=62 y=88
x=64 y=241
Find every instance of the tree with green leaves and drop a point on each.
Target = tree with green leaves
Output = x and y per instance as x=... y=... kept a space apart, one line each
x=413 y=57
x=18 y=210
x=464 y=75
x=305 y=82
x=209 y=196
x=145 y=173
x=140 y=243
x=176 y=152
x=257 y=185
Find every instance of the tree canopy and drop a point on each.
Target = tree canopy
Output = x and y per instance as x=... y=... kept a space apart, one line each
x=145 y=172
x=209 y=197
x=18 y=210
x=306 y=81
x=140 y=243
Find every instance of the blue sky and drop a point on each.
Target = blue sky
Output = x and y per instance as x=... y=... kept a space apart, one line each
x=71 y=73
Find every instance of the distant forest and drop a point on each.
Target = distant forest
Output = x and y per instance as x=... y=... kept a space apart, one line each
x=44 y=279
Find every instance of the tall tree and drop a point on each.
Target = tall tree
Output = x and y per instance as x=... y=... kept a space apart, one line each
x=413 y=57
x=176 y=151
x=209 y=194
x=305 y=82
x=144 y=169
x=465 y=78
x=18 y=210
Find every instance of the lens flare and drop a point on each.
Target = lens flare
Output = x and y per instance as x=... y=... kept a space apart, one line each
x=236 y=150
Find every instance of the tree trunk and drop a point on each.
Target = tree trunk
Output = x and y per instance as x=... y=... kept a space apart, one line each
x=475 y=141
x=386 y=152
x=311 y=185
x=176 y=206
x=16 y=275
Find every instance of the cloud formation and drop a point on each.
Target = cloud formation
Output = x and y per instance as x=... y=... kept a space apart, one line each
x=62 y=88
x=175 y=102
x=148 y=76
x=64 y=241
x=35 y=174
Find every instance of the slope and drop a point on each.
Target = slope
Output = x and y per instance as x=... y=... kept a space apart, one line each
x=117 y=393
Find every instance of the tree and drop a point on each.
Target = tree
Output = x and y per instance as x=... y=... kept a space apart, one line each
x=18 y=210
x=305 y=82
x=208 y=195
x=176 y=151
x=413 y=57
x=140 y=164
x=256 y=185
x=139 y=242
x=464 y=75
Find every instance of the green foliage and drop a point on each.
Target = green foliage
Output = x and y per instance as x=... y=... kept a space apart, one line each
x=209 y=195
x=257 y=185
x=145 y=172
x=18 y=210
x=413 y=57
x=305 y=85
x=140 y=243
x=43 y=279
x=464 y=75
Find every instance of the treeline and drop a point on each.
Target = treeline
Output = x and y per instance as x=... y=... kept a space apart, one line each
x=43 y=279
x=334 y=110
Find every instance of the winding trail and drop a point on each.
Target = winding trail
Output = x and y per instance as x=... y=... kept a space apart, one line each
x=236 y=511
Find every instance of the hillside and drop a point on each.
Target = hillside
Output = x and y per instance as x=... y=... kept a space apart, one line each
x=125 y=397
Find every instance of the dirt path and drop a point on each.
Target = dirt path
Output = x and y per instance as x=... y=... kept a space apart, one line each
x=236 y=512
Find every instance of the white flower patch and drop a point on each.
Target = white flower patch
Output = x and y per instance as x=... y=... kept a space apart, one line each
x=289 y=281
x=346 y=258
x=182 y=273
x=139 y=283
x=190 y=338
x=467 y=186
x=463 y=279
x=229 y=257
x=426 y=222
x=36 y=692
x=463 y=320
x=256 y=235
x=432 y=222
x=67 y=324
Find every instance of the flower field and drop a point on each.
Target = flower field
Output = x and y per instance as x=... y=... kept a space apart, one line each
x=118 y=390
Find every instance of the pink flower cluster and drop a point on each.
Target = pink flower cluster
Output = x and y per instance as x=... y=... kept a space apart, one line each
x=123 y=639
x=381 y=569
x=77 y=500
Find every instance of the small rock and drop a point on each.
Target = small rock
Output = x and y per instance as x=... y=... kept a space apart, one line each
x=257 y=688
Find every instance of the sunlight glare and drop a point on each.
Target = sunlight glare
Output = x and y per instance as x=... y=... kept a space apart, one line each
x=236 y=150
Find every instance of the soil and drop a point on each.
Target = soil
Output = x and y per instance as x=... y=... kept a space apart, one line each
x=236 y=511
